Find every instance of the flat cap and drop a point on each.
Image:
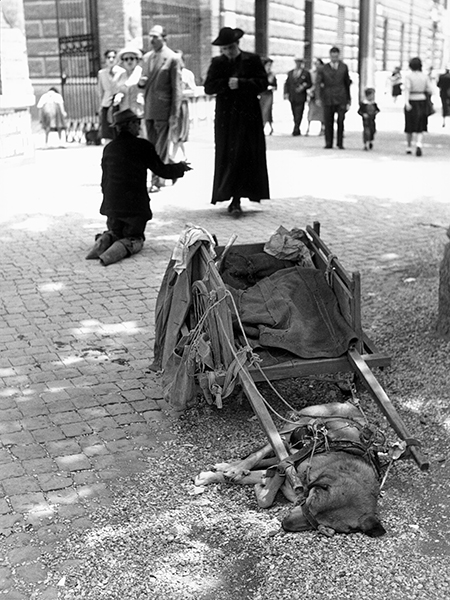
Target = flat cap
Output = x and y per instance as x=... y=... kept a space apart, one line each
x=125 y=116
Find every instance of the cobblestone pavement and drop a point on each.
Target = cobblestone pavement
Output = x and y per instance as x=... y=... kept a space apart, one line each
x=78 y=406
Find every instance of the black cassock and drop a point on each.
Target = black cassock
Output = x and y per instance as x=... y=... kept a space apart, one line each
x=240 y=162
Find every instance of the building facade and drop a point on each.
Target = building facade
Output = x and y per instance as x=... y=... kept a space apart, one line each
x=16 y=92
x=66 y=39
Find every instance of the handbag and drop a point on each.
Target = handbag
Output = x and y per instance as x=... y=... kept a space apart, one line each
x=429 y=106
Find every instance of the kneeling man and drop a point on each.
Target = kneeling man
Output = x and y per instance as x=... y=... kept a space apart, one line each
x=126 y=202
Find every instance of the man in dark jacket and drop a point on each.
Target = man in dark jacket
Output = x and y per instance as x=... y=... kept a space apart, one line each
x=297 y=82
x=126 y=202
x=237 y=78
x=333 y=86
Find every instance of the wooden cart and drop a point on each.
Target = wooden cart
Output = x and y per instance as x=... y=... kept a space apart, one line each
x=209 y=292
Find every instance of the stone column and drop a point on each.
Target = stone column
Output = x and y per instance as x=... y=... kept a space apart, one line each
x=16 y=92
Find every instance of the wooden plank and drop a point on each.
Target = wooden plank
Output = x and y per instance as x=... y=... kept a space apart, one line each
x=385 y=405
x=299 y=367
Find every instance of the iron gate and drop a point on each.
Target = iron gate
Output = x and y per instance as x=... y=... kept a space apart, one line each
x=79 y=59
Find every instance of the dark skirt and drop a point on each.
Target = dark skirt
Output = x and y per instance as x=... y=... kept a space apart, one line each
x=107 y=131
x=396 y=89
x=416 y=120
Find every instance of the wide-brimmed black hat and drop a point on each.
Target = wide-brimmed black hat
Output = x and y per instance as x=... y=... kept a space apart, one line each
x=125 y=116
x=227 y=36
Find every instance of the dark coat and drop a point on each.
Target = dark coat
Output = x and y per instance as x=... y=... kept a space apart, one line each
x=240 y=162
x=333 y=85
x=124 y=178
x=296 y=85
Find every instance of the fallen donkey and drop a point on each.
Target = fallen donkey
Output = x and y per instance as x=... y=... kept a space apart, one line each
x=334 y=468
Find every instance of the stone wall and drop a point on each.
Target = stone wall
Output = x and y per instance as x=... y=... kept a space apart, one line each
x=16 y=93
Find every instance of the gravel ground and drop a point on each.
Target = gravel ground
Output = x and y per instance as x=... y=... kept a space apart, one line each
x=157 y=539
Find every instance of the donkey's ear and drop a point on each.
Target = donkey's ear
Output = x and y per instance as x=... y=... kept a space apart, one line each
x=372 y=527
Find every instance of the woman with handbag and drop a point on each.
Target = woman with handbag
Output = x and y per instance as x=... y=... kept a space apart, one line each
x=417 y=91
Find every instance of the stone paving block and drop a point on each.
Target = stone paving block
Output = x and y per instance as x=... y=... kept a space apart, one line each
x=95 y=490
x=29 y=451
x=93 y=413
x=38 y=422
x=53 y=481
x=90 y=440
x=5 y=456
x=59 y=406
x=11 y=414
x=73 y=462
x=145 y=405
x=113 y=433
x=129 y=418
x=10 y=426
x=24 y=554
x=20 y=485
x=95 y=450
x=154 y=415
x=23 y=503
x=5 y=578
x=67 y=496
x=99 y=425
x=80 y=400
x=72 y=511
x=103 y=462
x=71 y=416
x=4 y=507
x=84 y=477
x=119 y=409
x=39 y=465
x=11 y=469
x=76 y=429
x=50 y=434
x=63 y=448
x=33 y=573
x=6 y=403
x=8 y=520
x=120 y=446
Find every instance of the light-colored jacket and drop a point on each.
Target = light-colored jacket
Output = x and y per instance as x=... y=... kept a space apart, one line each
x=105 y=86
x=163 y=89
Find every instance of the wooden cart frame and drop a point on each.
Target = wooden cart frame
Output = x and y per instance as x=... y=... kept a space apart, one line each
x=359 y=360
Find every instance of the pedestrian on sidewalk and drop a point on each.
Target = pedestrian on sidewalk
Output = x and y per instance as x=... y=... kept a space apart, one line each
x=105 y=88
x=266 y=97
x=237 y=78
x=298 y=81
x=179 y=134
x=417 y=86
x=333 y=85
x=315 y=112
x=162 y=84
x=368 y=109
x=126 y=202
x=127 y=94
x=444 y=92
x=53 y=114
x=396 y=83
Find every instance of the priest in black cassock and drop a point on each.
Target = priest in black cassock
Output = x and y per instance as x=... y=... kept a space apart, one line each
x=237 y=78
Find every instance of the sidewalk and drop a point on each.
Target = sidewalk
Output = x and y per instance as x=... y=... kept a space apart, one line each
x=78 y=406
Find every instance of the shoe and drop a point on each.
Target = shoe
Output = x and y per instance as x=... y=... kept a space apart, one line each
x=370 y=145
x=418 y=151
x=327 y=147
x=365 y=147
x=295 y=133
x=102 y=242
x=341 y=147
x=409 y=151
x=234 y=208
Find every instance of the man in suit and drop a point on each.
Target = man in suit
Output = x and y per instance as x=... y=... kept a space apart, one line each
x=333 y=86
x=163 y=92
x=297 y=82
